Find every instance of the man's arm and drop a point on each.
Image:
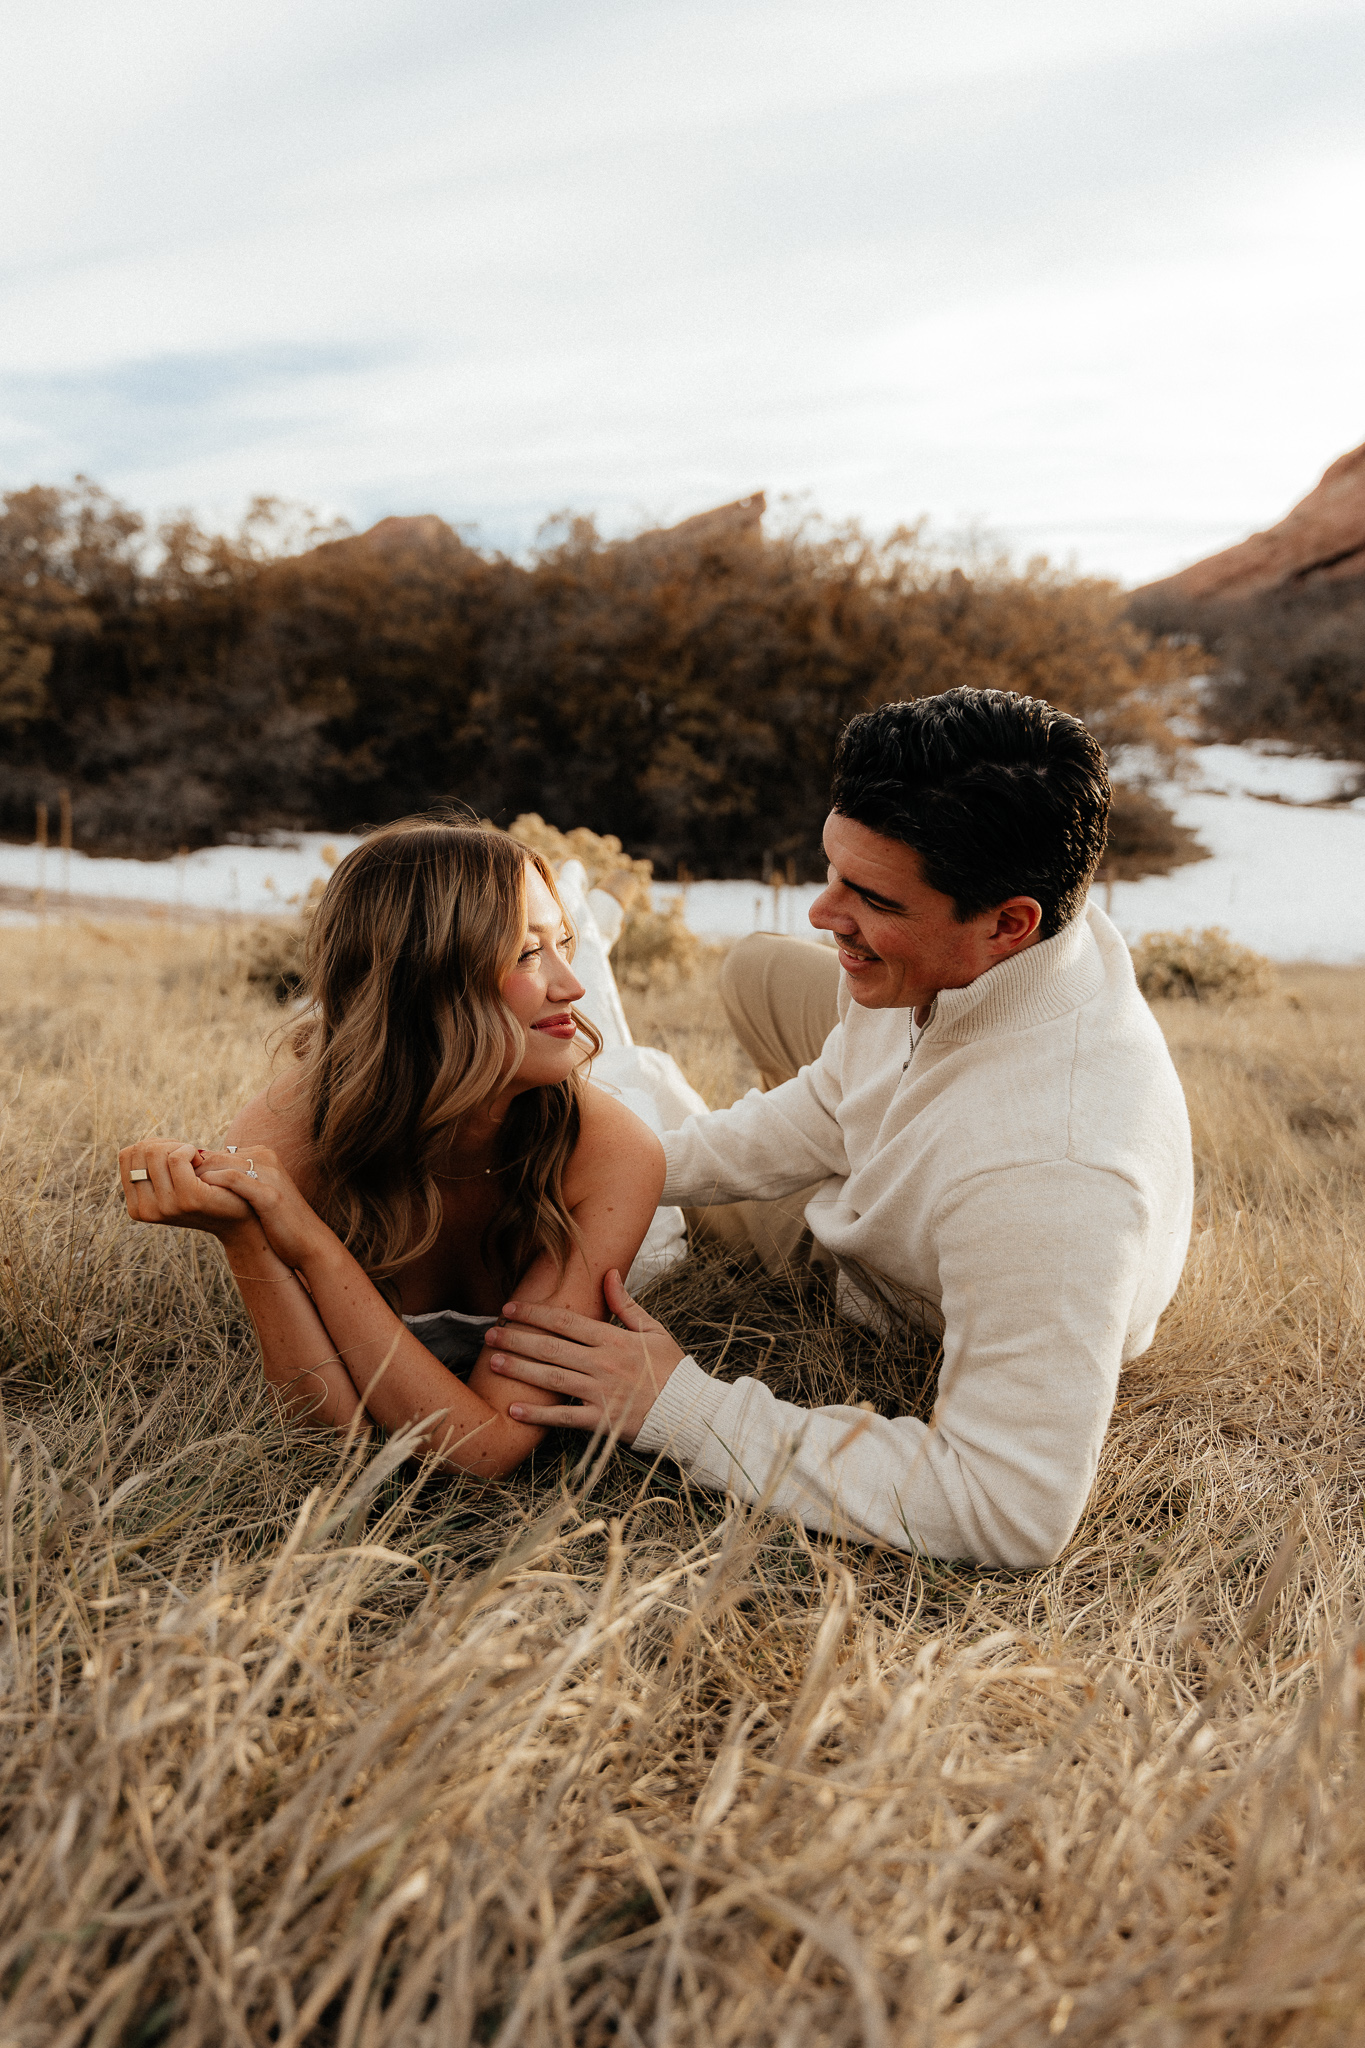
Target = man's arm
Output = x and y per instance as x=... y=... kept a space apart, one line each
x=763 y=1146
x=1039 y=1268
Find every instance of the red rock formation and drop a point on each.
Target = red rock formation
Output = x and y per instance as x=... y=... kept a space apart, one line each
x=421 y=533
x=424 y=534
x=742 y=519
x=1323 y=537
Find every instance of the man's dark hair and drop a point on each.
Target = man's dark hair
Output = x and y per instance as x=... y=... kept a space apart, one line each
x=999 y=796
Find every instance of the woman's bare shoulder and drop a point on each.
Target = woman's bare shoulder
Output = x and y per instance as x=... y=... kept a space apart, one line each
x=612 y=1144
x=278 y=1117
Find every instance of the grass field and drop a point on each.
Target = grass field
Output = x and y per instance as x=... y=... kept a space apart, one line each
x=303 y=1748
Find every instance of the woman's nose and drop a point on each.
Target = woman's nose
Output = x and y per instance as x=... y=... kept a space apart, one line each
x=567 y=988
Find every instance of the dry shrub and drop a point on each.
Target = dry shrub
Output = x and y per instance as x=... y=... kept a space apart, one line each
x=269 y=952
x=304 y=1746
x=655 y=946
x=684 y=691
x=1208 y=966
x=1145 y=837
x=606 y=865
x=1286 y=664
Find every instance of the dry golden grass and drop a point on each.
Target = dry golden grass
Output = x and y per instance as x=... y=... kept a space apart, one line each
x=304 y=1748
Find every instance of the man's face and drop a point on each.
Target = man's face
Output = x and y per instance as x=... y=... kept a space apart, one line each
x=899 y=941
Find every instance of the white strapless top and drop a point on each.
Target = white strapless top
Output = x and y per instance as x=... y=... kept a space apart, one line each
x=453 y=1337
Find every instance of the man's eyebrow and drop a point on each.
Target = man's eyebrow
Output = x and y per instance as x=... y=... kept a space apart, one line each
x=870 y=896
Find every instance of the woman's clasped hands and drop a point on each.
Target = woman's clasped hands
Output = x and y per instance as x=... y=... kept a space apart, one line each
x=220 y=1191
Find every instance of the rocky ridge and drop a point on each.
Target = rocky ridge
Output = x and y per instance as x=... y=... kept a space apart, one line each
x=1322 y=539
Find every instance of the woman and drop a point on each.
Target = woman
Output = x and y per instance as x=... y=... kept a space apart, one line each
x=435 y=1148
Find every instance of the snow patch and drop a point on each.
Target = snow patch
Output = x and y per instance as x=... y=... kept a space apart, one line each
x=1284 y=877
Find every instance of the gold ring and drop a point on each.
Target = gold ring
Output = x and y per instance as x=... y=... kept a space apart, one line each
x=138 y=1173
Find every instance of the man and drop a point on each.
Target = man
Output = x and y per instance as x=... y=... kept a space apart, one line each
x=993 y=1125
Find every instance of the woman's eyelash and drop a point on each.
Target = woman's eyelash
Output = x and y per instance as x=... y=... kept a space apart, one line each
x=565 y=943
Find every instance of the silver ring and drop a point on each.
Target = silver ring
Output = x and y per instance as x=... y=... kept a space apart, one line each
x=231 y=1148
x=138 y=1173
x=251 y=1172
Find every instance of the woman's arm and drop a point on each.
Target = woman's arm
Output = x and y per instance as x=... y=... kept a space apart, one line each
x=368 y=1335
x=612 y=1189
x=299 y=1359
x=335 y=1342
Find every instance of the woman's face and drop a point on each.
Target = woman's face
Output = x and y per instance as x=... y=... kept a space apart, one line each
x=540 y=988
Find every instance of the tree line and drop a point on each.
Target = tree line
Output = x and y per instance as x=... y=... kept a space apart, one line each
x=1285 y=664
x=681 y=689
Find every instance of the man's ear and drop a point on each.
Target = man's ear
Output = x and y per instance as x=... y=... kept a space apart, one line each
x=1018 y=921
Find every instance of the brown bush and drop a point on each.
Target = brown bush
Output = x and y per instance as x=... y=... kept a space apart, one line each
x=682 y=695
x=607 y=867
x=1207 y=966
x=1144 y=837
x=269 y=952
x=656 y=948
x=1286 y=664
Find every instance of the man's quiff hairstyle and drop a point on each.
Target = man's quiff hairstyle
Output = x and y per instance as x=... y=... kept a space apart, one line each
x=999 y=796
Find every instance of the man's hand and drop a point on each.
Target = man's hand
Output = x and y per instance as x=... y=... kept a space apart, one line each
x=615 y=1374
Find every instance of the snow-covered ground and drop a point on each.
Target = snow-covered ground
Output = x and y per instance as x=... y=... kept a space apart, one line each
x=1285 y=876
x=259 y=879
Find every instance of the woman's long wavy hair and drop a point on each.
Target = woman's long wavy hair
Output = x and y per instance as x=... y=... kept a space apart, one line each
x=408 y=1034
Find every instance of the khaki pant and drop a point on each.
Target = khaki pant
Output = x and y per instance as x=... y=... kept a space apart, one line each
x=782 y=999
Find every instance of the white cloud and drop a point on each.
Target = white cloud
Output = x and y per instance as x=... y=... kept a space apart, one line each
x=1084 y=274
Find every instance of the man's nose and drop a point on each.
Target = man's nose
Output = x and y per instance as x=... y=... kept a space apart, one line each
x=829 y=914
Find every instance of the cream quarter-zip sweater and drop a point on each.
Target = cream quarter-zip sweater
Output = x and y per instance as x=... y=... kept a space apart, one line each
x=1027 y=1172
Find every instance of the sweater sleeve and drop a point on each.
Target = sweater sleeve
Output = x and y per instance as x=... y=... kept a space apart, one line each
x=763 y=1146
x=1039 y=1267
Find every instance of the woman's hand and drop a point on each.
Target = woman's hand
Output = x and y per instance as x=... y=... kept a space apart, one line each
x=295 y=1231
x=160 y=1186
x=614 y=1375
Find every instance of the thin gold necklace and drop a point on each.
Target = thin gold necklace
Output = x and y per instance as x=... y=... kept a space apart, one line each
x=483 y=1172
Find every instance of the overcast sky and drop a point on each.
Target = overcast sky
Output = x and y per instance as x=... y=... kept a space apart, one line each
x=1086 y=274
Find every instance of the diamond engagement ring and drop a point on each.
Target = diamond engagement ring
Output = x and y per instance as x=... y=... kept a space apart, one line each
x=251 y=1172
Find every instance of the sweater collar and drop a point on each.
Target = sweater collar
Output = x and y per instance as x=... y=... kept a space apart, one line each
x=1034 y=987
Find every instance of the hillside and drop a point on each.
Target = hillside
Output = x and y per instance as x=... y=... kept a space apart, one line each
x=1282 y=618
x=1322 y=538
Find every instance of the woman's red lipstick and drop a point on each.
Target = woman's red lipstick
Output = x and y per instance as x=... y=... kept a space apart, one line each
x=557 y=1027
